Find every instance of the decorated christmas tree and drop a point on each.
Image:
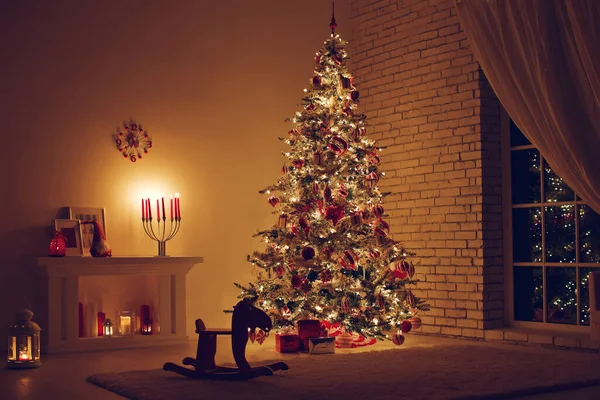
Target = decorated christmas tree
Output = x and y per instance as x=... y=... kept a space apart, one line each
x=329 y=255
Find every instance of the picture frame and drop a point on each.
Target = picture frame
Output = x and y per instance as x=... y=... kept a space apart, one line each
x=71 y=230
x=87 y=231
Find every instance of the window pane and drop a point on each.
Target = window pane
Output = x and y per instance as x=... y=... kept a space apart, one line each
x=589 y=235
x=525 y=174
x=516 y=136
x=561 y=292
x=528 y=294
x=560 y=233
x=584 y=295
x=527 y=234
x=555 y=189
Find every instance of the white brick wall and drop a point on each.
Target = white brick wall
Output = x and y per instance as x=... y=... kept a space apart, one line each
x=427 y=100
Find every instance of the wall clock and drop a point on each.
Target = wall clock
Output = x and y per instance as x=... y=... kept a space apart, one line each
x=133 y=141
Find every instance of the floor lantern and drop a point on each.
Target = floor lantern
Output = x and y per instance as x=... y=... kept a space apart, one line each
x=24 y=342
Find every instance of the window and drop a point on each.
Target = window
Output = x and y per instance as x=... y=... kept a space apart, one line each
x=555 y=241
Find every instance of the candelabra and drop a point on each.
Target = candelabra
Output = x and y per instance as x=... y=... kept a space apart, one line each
x=161 y=236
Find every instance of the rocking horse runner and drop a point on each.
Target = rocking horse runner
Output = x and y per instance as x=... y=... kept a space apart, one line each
x=246 y=318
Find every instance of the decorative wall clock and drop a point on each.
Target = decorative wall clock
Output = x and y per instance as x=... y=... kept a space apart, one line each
x=133 y=141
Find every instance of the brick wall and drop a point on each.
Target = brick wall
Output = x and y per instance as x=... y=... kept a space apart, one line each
x=428 y=101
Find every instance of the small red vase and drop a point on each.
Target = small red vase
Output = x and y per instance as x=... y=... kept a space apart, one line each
x=58 y=245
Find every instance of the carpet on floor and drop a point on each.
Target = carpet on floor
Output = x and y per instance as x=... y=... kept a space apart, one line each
x=462 y=371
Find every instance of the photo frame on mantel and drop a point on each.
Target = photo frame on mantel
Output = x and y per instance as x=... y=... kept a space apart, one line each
x=87 y=231
x=71 y=230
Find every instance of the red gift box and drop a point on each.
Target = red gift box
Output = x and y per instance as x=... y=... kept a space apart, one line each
x=308 y=328
x=286 y=342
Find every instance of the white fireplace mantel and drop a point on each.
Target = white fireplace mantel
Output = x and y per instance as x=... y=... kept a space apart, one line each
x=63 y=276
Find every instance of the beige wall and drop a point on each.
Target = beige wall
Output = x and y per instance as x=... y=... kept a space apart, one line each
x=212 y=81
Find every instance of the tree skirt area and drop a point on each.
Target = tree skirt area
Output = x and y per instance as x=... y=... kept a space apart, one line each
x=459 y=371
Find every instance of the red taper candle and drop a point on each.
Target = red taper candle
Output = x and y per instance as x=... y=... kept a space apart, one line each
x=157 y=210
x=163 y=208
x=148 y=209
x=143 y=209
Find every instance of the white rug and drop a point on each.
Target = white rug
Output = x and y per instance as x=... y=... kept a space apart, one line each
x=460 y=371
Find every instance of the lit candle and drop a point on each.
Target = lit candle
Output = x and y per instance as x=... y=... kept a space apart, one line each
x=148 y=209
x=177 y=206
x=143 y=209
x=163 y=208
x=171 y=206
x=23 y=355
x=157 y=210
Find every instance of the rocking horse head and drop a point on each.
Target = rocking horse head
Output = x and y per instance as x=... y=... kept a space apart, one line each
x=246 y=316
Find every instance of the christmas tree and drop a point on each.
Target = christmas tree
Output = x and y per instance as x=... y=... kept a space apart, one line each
x=329 y=255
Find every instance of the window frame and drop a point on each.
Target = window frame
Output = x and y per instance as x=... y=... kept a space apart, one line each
x=509 y=264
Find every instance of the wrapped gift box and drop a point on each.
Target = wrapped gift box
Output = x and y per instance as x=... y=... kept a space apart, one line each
x=286 y=342
x=322 y=345
x=308 y=328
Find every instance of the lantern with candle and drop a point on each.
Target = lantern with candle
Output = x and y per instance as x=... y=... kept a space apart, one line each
x=24 y=342
x=107 y=327
x=145 y=320
x=58 y=245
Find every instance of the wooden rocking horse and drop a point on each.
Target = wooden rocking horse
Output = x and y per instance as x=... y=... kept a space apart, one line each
x=246 y=318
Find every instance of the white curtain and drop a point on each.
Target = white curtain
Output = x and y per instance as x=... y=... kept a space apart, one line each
x=542 y=58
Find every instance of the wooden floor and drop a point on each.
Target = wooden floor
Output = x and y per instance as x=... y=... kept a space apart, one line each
x=63 y=376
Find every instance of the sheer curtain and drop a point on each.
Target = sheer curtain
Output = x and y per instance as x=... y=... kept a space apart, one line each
x=542 y=58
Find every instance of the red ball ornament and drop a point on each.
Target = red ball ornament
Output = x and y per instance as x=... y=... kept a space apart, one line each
x=397 y=274
x=354 y=95
x=373 y=158
x=398 y=339
x=308 y=253
x=338 y=145
x=345 y=304
x=298 y=163
x=405 y=326
x=358 y=133
x=374 y=253
x=410 y=298
x=415 y=322
x=310 y=107
x=372 y=178
x=410 y=270
x=316 y=81
x=296 y=281
x=273 y=201
x=349 y=259
x=378 y=210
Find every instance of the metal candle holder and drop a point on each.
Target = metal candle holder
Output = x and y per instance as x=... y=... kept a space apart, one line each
x=161 y=236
